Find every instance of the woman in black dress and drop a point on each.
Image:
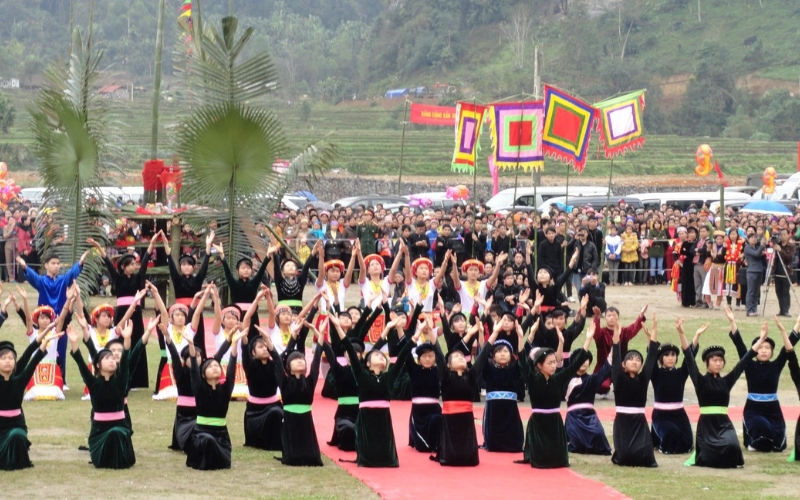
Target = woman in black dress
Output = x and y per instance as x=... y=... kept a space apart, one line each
x=794 y=370
x=716 y=444
x=375 y=445
x=633 y=445
x=346 y=416
x=298 y=437
x=187 y=283
x=110 y=443
x=764 y=427
x=546 y=441
x=502 y=425
x=671 y=432
x=244 y=288
x=458 y=444
x=263 y=416
x=126 y=281
x=209 y=446
x=584 y=430
x=686 y=261
x=425 y=420
x=288 y=283
x=14 y=379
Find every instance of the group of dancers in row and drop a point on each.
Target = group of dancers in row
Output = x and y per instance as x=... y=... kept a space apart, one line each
x=524 y=346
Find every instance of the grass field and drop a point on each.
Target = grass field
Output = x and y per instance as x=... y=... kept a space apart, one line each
x=57 y=429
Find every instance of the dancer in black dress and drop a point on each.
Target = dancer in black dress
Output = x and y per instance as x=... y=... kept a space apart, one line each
x=633 y=445
x=764 y=427
x=298 y=436
x=546 y=441
x=244 y=288
x=126 y=281
x=671 y=431
x=425 y=421
x=716 y=443
x=263 y=417
x=209 y=446
x=584 y=430
x=14 y=378
x=288 y=284
x=502 y=425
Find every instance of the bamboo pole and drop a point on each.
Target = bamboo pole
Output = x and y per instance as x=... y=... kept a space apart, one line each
x=402 y=145
x=605 y=218
x=157 y=81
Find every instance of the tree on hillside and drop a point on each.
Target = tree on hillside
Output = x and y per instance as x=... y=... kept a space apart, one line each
x=710 y=95
x=7 y=113
x=518 y=31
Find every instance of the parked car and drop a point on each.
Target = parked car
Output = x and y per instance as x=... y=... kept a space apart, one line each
x=683 y=200
x=597 y=202
x=439 y=199
x=389 y=201
x=35 y=195
x=533 y=197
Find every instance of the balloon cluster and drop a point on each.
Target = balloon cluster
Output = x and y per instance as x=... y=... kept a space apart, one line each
x=768 y=178
x=460 y=192
x=8 y=188
x=704 y=159
x=415 y=201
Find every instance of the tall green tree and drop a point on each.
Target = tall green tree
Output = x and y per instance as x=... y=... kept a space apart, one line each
x=228 y=145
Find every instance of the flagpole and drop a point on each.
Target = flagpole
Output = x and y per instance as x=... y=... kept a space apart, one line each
x=475 y=145
x=566 y=209
x=605 y=218
x=516 y=174
x=402 y=145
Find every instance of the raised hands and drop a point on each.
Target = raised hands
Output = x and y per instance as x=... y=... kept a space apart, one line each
x=209 y=241
x=74 y=337
x=125 y=331
x=220 y=251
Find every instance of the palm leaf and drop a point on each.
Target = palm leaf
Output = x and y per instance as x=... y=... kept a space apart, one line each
x=68 y=126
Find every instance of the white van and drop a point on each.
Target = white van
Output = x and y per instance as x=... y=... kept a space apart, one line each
x=786 y=189
x=530 y=197
x=439 y=199
x=683 y=200
x=35 y=195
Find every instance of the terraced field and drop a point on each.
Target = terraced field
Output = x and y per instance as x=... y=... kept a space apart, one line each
x=369 y=138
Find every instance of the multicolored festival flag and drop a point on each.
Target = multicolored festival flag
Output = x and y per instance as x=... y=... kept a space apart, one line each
x=185 y=16
x=469 y=121
x=567 y=127
x=517 y=134
x=620 y=123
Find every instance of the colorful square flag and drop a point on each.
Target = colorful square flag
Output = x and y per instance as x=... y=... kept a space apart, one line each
x=620 y=123
x=469 y=121
x=517 y=134
x=567 y=127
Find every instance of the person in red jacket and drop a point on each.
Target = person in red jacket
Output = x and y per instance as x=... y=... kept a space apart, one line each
x=603 y=338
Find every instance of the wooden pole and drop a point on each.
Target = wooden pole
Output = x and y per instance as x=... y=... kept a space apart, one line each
x=516 y=176
x=566 y=208
x=475 y=166
x=605 y=218
x=156 y=81
x=402 y=145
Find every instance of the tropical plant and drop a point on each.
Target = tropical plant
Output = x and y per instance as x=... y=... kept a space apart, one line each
x=228 y=144
x=70 y=129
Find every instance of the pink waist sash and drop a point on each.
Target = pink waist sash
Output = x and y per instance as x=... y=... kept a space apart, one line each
x=244 y=306
x=630 y=410
x=125 y=301
x=580 y=406
x=188 y=401
x=545 y=410
x=667 y=406
x=10 y=413
x=424 y=401
x=262 y=401
x=109 y=416
x=374 y=404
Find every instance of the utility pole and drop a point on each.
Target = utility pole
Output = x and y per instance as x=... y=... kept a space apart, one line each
x=536 y=174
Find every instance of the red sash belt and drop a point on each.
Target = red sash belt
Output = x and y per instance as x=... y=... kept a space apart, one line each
x=453 y=407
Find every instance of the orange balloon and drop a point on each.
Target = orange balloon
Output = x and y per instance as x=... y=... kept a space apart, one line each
x=768 y=177
x=703 y=158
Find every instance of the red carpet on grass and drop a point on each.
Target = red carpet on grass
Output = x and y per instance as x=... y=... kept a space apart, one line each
x=419 y=477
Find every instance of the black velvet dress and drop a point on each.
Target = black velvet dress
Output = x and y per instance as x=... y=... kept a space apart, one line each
x=298 y=437
x=263 y=416
x=209 y=446
x=185 y=413
x=764 y=427
x=687 y=273
x=243 y=292
x=128 y=286
x=546 y=440
x=502 y=425
x=716 y=444
x=14 y=442
x=458 y=444
x=290 y=291
x=425 y=421
x=672 y=431
x=344 y=430
x=633 y=445
x=584 y=430
x=185 y=289
x=794 y=370
x=110 y=443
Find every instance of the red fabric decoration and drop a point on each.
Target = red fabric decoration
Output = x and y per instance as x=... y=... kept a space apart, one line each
x=150 y=175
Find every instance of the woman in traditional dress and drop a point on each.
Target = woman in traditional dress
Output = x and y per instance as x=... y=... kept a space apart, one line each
x=546 y=440
x=716 y=443
x=550 y=286
x=126 y=280
x=764 y=427
x=794 y=370
x=421 y=285
x=333 y=281
x=734 y=246
x=226 y=322
x=373 y=287
x=344 y=432
x=474 y=287
x=425 y=420
x=110 y=445
x=263 y=416
x=186 y=284
x=375 y=444
x=186 y=409
x=14 y=377
x=671 y=431
x=298 y=436
x=209 y=445
x=686 y=254
x=714 y=283
x=502 y=425
x=458 y=444
x=633 y=445
x=288 y=284
x=677 y=266
x=244 y=288
x=584 y=430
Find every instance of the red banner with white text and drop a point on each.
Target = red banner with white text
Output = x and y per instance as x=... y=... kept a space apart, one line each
x=433 y=115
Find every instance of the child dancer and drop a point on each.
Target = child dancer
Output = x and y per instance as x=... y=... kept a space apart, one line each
x=288 y=284
x=584 y=430
x=425 y=421
x=633 y=445
x=263 y=416
x=209 y=446
x=226 y=322
x=14 y=442
x=502 y=425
